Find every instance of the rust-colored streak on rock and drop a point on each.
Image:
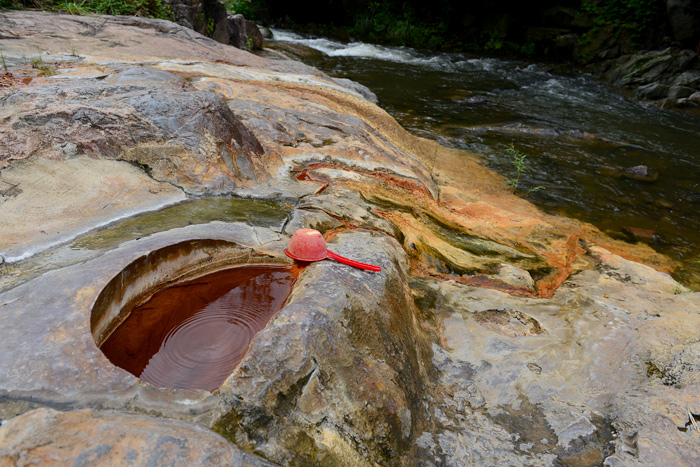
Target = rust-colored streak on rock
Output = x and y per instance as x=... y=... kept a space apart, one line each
x=304 y=176
x=543 y=236
x=473 y=281
x=541 y=240
x=562 y=261
x=505 y=219
x=401 y=182
x=395 y=181
x=307 y=175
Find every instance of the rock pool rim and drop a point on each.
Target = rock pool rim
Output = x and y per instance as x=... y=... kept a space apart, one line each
x=164 y=267
x=309 y=245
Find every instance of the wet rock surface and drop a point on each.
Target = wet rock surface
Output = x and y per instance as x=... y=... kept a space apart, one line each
x=494 y=334
x=642 y=173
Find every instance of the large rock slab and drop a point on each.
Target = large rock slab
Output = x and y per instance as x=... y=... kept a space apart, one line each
x=139 y=115
x=579 y=377
x=86 y=193
x=124 y=38
x=350 y=340
x=50 y=437
x=494 y=334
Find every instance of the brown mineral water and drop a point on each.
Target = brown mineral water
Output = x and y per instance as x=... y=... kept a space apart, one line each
x=193 y=335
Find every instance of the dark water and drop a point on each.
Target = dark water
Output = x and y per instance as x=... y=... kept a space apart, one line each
x=193 y=335
x=577 y=135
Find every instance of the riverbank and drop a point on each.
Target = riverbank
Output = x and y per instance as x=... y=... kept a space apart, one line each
x=670 y=77
x=580 y=137
x=580 y=32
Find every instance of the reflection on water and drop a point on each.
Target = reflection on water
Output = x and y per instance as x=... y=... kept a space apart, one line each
x=576 y=132
x=194 y=334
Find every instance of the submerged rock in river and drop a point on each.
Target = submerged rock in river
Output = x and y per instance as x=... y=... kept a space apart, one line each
x=494 y=334
x=642 y=173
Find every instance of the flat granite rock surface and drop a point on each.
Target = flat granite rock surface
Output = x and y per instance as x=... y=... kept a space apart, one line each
x=146 y=154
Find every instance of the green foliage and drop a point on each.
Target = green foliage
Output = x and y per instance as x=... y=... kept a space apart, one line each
x=520 y=168
x=679 y=289
x=527 y=49
x=11 y=5
x=147 y=8
x=73 y=8
x=491 y=44
x=44 y=68
x=630 y=17
x=199 y=21
x=4 y=65
x=210 y=27
x=242 y=7
x=382 y=24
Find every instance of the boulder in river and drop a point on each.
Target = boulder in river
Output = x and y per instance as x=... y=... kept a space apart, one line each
x=642 y=173
x=653 y=91
x=637 y=234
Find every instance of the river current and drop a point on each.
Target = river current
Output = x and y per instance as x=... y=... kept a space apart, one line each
x=577 y=133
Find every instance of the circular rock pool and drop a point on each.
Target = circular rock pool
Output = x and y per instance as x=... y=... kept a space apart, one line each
x=173 y=331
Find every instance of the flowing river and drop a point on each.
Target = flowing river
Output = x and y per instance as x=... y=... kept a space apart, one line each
x=578 y=135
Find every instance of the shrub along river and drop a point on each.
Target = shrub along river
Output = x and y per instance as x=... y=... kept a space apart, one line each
x=579 y=136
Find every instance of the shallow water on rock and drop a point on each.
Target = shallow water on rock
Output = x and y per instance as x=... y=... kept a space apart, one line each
x=193 y=335
x=257 y=213
x=578 y=135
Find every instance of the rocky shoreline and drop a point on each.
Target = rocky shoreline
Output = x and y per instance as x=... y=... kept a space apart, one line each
x=670 y=77
x=493 y=334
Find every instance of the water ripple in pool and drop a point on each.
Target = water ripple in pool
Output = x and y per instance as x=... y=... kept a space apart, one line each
x=193 y=335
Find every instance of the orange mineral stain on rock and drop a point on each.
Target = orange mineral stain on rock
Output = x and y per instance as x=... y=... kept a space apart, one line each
x=465 y=241
x=417 y=184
